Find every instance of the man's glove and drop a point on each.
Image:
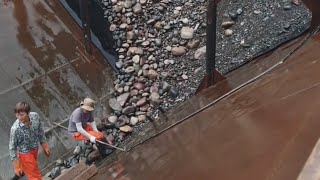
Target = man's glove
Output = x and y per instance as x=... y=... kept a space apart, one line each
x=17 y=168
x=92 y=139
x=46 y=149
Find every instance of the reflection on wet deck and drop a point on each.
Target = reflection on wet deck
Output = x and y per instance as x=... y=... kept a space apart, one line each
x=265 y=130
x=42 y=61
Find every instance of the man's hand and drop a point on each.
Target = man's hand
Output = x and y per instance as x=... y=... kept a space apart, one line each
x=17 y=168
x=46 y=149
x=92 y=139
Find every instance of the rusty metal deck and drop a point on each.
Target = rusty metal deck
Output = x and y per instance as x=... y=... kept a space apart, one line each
x=265 y=130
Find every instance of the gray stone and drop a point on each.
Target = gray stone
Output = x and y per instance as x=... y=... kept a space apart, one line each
x=142 y=102
x=134 y=50
x=129 y=14
x=143 y=2
x=157 y=42
x=287 y=6
x=74 y=161
x=93 y=156
x=137 y=9
x=173 y=92
x=126 y=128
x=178 y=51
x=120 y=90
x=59 y=162
x=112 y=119
x=136 y=59
x=130 y=35
x=239 y=11
x=129 y=69
x=164 y=75
x=125 y=45
x=115 y=105
x=136 y=67
x=124 y=119
x=139 y=86
x=55 y=172
x=185 y=77
x=233 y=16
x=200 y=53
x=138 y=113
x=128 y=110
x=155 y=65
x=186 y=33
x=287 y=25
x=175 y=41
x=193 y=44
x=158 y=26
x=122 y=99
x=123 y=25
x=166 y=86
x=152 y=74
x=151 y=21
x=134 y=92
x=154 y=89
x=128 y=4
x=145 y=66
x=197 y=71
x=119 y=64
x=257 y=12
x=155 y=97
x=167 y=27
x=145 y=108
x=227 y=24
x=112 y=27
x=145 y=43
x=77 y=150
x=141 y=118
x=134 y=120
x=126 y=89
x=228 y=32
x=185 y=20
x=117 y=8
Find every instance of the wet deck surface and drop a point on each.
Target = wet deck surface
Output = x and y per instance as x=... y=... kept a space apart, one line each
x=265 y=130
x=43 y=61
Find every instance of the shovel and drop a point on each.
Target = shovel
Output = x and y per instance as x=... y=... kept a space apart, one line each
x=100 y=142
x=104 y=143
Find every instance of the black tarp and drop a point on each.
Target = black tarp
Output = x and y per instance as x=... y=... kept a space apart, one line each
x=100 y=34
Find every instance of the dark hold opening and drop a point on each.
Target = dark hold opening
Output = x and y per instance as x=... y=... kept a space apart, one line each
x=100 y=34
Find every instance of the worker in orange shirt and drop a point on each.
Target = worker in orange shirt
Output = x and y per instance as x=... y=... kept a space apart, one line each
x=25 y=135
